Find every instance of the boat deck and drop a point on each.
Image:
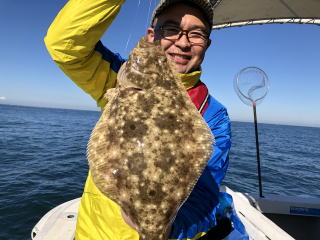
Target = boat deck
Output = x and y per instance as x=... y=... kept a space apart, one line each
x=272 y=217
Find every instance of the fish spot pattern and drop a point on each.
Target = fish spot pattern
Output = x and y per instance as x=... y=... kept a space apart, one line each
x=151 y=144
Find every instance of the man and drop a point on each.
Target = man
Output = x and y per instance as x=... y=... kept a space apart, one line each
x=183 y=29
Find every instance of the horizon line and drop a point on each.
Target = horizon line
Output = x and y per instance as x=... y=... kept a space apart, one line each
x=97 y=110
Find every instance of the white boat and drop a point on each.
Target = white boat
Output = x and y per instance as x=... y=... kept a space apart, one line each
x=59 y=223
x=277 y=217
x=271 y=217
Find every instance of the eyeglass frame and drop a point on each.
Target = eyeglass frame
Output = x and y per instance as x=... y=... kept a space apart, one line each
x=183 y=32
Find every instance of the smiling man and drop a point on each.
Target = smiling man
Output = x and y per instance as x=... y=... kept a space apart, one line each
x=183 y=32
x=183 y=29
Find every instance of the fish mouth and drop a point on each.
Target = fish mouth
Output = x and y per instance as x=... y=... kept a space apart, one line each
x=133 y=89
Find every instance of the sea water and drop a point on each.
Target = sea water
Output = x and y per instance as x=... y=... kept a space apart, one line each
x=43 y=163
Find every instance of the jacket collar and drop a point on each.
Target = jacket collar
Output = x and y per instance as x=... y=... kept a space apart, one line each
x=189 y=80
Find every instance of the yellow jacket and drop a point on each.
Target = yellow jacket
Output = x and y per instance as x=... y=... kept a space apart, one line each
x=73 y=43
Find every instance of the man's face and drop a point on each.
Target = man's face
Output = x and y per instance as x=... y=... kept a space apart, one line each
x=186 y=57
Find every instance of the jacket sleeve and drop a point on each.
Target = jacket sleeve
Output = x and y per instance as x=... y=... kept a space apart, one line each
x=219 y=123
x=73 y=43
x=198 y=214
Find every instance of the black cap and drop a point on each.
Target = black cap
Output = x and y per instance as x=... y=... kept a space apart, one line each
x=205 y=6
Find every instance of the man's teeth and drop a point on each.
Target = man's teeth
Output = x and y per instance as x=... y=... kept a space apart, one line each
x=179 y=56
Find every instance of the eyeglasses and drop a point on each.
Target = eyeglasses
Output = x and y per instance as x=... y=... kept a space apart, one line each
x=195 y=37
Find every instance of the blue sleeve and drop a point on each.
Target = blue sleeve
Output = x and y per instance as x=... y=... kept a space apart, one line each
x=218 y=120
x=197 y=215
x=114 y=59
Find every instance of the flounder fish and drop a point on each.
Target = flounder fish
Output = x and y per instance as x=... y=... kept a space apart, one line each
x=151 y=144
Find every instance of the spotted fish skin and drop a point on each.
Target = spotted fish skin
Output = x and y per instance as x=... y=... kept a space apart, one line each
x=151 y=144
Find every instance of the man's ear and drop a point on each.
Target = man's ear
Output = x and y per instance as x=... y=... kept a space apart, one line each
x=209 y=43
x=150 y=34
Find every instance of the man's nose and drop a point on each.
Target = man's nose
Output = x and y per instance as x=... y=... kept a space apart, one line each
x=183 y=41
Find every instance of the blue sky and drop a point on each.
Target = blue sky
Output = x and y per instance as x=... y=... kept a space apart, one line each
x=288 y=53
